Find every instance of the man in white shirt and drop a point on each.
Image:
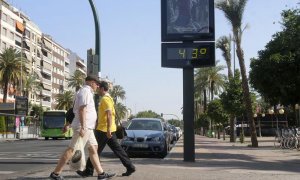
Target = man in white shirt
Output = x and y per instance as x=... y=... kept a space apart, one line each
x=83 y=126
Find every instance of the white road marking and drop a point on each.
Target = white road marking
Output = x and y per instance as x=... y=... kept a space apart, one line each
x=7 y=172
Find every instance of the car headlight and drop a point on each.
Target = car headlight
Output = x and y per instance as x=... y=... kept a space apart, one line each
x=156 y=139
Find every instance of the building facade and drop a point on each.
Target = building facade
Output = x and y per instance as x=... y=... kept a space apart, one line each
x=48 y=62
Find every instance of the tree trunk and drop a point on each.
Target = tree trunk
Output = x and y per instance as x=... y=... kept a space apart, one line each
x=232 y=136
x=5 y=91
x=246 y=94
x=205 y=101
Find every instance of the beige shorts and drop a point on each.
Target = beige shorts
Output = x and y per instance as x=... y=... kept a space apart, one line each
x=88 y=138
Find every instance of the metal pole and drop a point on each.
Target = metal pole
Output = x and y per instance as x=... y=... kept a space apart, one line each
x=188 y=115
x=97 y=35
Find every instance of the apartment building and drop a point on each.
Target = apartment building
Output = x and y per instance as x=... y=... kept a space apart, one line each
x=79 y=63
x=46 y=59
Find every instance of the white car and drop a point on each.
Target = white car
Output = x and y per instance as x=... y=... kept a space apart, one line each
x=179 y=131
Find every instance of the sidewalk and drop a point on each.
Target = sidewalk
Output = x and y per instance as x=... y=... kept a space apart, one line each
x=214 y=159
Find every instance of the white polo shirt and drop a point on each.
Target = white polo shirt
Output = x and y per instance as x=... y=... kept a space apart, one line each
x=85 y=97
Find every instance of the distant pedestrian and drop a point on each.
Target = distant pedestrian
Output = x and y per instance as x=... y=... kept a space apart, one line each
x=105 y=133
x=83 y=126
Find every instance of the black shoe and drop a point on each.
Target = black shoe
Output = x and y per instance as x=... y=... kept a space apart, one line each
x=105 y=175
x=84 y=174
x=56 y=176
x=128 y=172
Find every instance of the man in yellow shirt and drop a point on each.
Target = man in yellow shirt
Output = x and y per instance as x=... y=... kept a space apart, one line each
x=105 y=133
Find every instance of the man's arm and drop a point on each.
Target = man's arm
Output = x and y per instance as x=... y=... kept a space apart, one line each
x=82 y=115
x=109 y=121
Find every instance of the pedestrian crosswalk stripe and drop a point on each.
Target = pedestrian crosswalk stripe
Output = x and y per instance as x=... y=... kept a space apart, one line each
x=7 y=172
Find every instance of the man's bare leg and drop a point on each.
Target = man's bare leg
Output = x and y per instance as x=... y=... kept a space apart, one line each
x=95 y=159
x=63 y=160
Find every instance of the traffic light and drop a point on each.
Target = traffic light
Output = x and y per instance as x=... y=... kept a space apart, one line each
x=161 y=114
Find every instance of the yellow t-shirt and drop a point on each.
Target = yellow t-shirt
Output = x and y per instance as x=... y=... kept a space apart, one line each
x=106 y=103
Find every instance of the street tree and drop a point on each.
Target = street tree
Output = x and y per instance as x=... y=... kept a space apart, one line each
x=65 y=100
x=31 y=85
x=117 y=92
x=275 y=73
x=76 y=80
x=11 y=62
x=121 y=111
x=147 y=114
x=232 y=100
x=224 y=44
x=233 y=11
x=208 y=80
x=217 y=114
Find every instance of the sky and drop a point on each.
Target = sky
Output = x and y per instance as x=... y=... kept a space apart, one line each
x=131 y=42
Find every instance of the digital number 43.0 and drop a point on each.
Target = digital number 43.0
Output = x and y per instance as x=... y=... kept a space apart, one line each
x=196 y=52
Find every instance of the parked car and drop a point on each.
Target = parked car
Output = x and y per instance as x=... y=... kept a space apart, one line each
x=170 y=132
x=146 y=136
x=175 y=133
x=179 y=131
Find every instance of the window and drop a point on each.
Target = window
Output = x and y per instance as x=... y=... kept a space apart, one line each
x=18 y=40
x=12 y=22
x=3 y=46
x=11 y=35
x=4 y=31
x=27 y=33
x=4 y=17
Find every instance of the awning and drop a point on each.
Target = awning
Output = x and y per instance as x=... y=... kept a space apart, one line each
x=19 y=26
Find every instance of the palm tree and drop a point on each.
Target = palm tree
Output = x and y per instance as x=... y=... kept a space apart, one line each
x=224 y=44
x=76 y=80
x=65 y=100
x=208 y=80
x=32 y=85
x=117 y=92
x=11 y=62
x=121 y=111
x=234 y=10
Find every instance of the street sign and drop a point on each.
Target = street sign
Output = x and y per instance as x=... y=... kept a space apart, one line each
x=188 y=55
x=21 y=106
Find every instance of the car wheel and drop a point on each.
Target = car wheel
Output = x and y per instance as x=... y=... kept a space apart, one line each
x=165 y=151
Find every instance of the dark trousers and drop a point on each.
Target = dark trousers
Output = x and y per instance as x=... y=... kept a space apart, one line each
x=114 y=146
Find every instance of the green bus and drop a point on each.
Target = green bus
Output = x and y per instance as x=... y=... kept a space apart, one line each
x=53 y=123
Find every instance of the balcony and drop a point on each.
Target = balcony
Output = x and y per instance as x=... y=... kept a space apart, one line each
x=81 y=70
x=80 y=63
x=67 y=60
x=46 y=93
x=46 y=81
x=46 y=71
x=46 y=47
x=46 y=103
x=48 y=60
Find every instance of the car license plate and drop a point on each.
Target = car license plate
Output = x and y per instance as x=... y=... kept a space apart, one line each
x=140 y=145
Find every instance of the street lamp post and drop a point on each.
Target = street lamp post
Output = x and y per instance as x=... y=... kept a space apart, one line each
x=281 y=111
x=97 y=37
x=271 y=112
x=297 y=110
x=259 y=126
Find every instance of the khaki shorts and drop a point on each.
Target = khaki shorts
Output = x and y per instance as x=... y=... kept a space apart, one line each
x=88 y=138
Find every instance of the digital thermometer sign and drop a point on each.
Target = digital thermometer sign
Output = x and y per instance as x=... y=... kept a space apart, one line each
x=180 y=55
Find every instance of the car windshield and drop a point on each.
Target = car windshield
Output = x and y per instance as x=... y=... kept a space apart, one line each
x=145 y=125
